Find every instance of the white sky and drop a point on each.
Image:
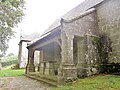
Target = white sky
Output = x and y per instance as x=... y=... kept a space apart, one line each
x=39 y=15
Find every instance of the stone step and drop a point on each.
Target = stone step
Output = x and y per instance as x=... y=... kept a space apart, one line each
x=50 y=78
x=48 y=81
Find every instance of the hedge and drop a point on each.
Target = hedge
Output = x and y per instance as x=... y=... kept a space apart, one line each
x=8 y=63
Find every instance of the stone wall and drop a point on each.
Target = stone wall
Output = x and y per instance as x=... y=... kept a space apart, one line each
x=24 y=55
x=81 y=26
x=84 y=51
x=108 y=14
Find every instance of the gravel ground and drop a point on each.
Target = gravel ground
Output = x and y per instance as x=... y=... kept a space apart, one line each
x=21 y=83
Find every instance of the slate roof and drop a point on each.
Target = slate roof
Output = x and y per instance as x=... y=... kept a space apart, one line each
x=44 y=35
x=30 y=37
x=75 y=12
x=55 y=24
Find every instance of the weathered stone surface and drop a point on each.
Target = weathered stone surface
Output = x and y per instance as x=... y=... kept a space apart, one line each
x=108 y=14
x=85 y=42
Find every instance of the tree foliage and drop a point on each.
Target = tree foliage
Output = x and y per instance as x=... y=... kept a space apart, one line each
x=11 y=13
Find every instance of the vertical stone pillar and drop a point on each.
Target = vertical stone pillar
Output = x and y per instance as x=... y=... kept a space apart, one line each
x=91 y=55
x=88 y=53
x=30 y=65
x=67 y=68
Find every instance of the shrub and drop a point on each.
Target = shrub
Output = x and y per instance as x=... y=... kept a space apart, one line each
x=9 y=60
x=8 y=63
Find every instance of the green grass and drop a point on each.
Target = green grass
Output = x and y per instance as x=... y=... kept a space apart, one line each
x=10 y=72
x=99 y=82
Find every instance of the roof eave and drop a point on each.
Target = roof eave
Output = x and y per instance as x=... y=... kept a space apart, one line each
x=41 y=37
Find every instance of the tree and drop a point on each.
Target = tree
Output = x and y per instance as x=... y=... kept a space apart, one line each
x=11 y=13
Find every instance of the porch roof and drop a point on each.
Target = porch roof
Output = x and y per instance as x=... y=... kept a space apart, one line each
x=45 y=37
x=74 y=13
x=29 y=38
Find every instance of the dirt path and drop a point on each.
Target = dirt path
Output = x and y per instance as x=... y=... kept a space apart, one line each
x=21 y=83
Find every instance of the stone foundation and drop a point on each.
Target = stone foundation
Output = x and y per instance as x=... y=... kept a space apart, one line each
x=67 y=73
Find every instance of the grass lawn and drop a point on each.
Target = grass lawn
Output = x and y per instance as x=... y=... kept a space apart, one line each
x=10 y=72
x=98 y=82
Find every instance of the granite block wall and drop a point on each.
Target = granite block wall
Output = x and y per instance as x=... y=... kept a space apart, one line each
x=108 y=15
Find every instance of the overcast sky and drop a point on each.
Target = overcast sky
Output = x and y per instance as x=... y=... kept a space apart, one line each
x=39 y=14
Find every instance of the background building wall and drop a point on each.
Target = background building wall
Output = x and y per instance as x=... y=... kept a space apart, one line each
x=24 y=55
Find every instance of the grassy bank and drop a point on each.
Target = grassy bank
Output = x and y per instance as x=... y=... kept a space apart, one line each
x=98 y=82
x=10 y=72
